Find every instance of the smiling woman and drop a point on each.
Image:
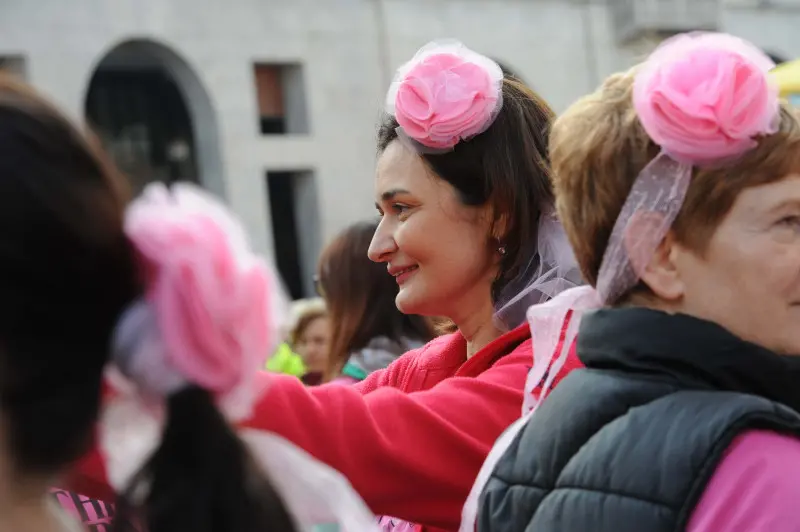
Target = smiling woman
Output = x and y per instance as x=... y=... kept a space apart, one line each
x=468 y=232
x=447 y=271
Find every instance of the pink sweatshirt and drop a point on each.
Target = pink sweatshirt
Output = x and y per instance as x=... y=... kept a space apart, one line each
x=756 y=487
x=91 y=513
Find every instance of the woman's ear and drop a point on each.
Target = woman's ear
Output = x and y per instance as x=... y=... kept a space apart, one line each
x=655 y=267
x=499 y=227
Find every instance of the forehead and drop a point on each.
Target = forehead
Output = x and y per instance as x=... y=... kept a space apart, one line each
x=317 y=325
x=768 y=197
x=400 y=168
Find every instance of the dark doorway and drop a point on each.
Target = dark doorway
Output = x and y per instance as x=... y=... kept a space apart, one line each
x=143 y=122
x=281 y=191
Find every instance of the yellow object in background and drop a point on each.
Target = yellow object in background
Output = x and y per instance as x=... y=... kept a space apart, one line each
x=286 y=361
x=787 y=75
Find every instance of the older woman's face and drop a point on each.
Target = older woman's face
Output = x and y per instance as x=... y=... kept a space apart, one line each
x=748 y=280
x=438 y=249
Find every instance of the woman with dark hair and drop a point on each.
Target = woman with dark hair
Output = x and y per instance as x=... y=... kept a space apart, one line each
x=369 y=333
x=163 y=292
x=467 y=232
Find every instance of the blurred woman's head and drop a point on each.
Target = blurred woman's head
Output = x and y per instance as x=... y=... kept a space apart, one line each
x=459 y=224
x=732 y=255
x=66 y=270
x=311 y=336
x=361 y=297
x=71 y=273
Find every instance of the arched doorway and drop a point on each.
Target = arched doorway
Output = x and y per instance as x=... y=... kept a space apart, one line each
x=154 y=116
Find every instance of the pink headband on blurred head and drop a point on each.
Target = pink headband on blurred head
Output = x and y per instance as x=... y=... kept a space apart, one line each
x=704 y=98
x=210 y=317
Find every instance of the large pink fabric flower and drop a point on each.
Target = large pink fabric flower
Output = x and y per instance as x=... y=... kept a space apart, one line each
x=704 y=97
x=210 y=293
x=445 y=94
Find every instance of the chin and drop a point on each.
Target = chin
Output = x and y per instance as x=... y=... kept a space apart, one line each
x=404 y=306
x=407 y=303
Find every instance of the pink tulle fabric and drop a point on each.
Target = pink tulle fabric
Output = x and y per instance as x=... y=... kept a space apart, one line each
x=704 y=97
x=210 y=293
x=211 y=315
x=445 y=94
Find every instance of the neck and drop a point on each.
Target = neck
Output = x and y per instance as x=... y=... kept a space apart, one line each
x=29 y=509
x=25 y=503
x=477 y=326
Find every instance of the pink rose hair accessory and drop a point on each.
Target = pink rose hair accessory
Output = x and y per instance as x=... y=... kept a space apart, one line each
x=447 y=93
x=210 y=316
x=705 y=99
x=211 y=310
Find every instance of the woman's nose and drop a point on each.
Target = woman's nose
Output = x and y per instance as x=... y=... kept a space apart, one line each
x=382 y=244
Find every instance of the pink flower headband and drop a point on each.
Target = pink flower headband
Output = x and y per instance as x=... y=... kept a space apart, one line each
x=210 y=316
x=447 y=93
x=212 y=309
x=704 y=98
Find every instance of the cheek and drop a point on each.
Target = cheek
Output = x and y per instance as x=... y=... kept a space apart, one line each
x=451 y=251
x=764 y=263
x=423 y=239
x=780 y=271
x=754 y=279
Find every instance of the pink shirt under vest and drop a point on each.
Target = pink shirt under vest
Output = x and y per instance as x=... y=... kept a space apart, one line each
x=756 y=487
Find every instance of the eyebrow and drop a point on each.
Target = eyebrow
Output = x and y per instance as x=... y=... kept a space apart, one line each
x=391 y=193
x=785 y=204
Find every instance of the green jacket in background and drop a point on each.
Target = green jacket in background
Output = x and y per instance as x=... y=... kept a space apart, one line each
x=286 y=361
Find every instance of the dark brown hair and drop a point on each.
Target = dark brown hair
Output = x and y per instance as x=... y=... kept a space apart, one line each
x=67 y=272
x=599 y=147
x=506 y=167
x=360 y=297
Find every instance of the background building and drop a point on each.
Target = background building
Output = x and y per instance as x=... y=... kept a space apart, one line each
x=274 y=105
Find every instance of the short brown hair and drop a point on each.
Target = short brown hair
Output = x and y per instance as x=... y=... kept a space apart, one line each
x=598 y=147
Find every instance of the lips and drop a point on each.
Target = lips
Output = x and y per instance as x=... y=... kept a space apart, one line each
x=397 y=272
x=401 y=274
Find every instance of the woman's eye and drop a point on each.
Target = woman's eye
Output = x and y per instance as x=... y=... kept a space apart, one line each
x=791 y=221
x=399 y=208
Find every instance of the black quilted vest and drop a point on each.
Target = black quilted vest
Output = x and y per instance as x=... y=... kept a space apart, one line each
x=629 y=443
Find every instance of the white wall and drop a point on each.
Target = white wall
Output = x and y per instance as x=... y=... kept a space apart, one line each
x=563 y=48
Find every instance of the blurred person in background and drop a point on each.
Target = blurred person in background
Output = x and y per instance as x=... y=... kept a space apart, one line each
x=70 y=271
x=304 y=353
x=369 y=332
x=467 y=232
x=311 y=338
x=92 y=282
